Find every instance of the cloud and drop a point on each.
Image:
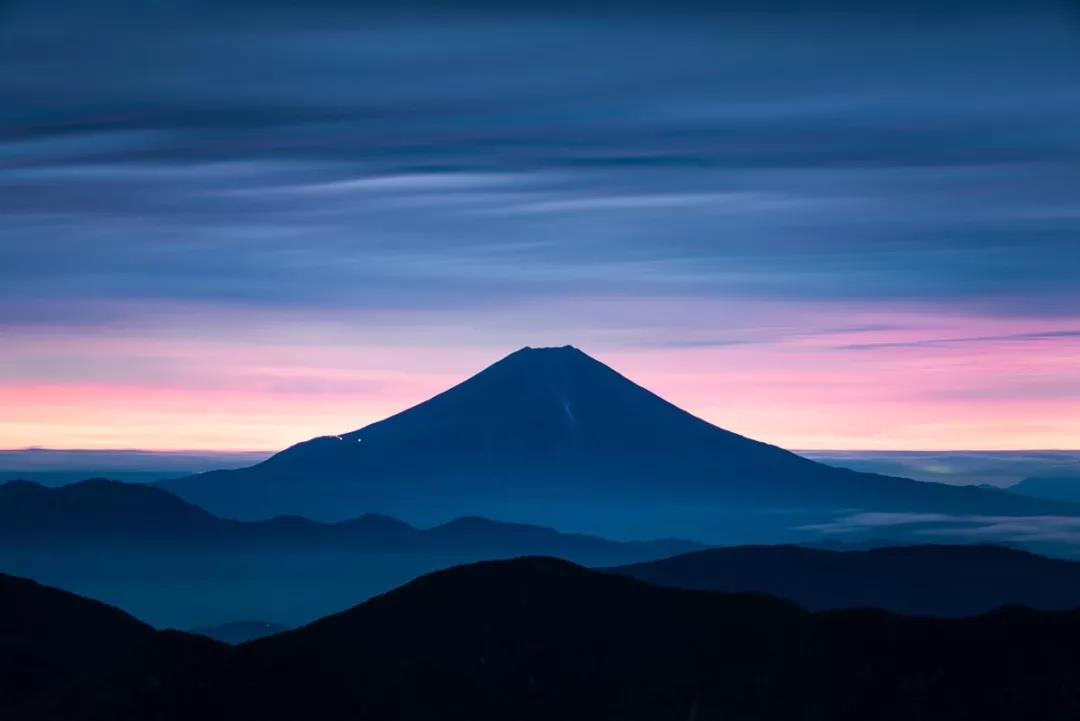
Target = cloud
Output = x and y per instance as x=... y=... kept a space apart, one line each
x=719 y=180
x=968 y=528
x=941 y=342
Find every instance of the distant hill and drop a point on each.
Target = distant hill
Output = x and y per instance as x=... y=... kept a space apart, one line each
x=99 y=511
x=55 y=467
x=549 y=434
x=100 y=508
x=916 y=580
x=1053 y=488
x=239 y=632
x=537 y=638
x=177 y=566
x=61 y=460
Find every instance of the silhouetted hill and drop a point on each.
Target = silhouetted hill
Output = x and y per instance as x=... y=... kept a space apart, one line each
x=916 y=580
x=169 y=676
x=49 y=639
x=550 y=433
x=98 y=508
x=239 y=632
x=1053 y=488
x=537 y=638
x=101 y=511
x=475 y=533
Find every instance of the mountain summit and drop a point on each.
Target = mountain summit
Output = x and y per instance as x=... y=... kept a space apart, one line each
x=551 y=435
x=537 y=404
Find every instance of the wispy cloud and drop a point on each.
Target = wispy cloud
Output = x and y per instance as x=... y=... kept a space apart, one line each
x=942 y=342
x=704 y=189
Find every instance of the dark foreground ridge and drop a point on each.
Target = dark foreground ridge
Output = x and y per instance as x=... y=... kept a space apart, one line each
x=49 y=638
x=537 y=638
x=238 y=632
x=917 y=580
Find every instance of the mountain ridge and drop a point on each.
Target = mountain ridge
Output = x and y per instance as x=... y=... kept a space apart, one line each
x=1059 y=487
x=539 y=638
x=100 y=510
x=235 y=633
x=924 y=580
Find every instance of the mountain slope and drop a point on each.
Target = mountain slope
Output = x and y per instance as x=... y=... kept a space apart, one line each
x=917 y=580
x=550 y=433
x=238 y=632
x=537 y=638
x=49 y=639
x=1053 y=488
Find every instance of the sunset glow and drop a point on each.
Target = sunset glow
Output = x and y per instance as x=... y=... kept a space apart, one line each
x=889 y=381
x=843 y=229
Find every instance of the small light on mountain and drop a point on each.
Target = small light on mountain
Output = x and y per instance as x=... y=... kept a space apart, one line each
x=359 y=440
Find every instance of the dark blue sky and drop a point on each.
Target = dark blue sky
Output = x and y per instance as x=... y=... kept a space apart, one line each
x=689 y=184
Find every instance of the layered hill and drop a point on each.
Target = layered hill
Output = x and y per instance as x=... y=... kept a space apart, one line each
x=551 y=433
x=176 y=566
x=107 y=513
x=537 y=638
x=924 y=580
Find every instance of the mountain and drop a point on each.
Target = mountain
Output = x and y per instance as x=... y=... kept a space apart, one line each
x=538 y=638
x=1054 y=488
x=99 y=508
x=551 y=435
x=100 y=511
x=916 y=580
x=238 y=632
x=50 y=638
x=177 y=566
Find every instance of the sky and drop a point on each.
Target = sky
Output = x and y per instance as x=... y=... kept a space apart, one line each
x=238 y=224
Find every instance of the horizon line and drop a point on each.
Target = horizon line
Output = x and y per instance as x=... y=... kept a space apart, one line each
x=222 y=451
